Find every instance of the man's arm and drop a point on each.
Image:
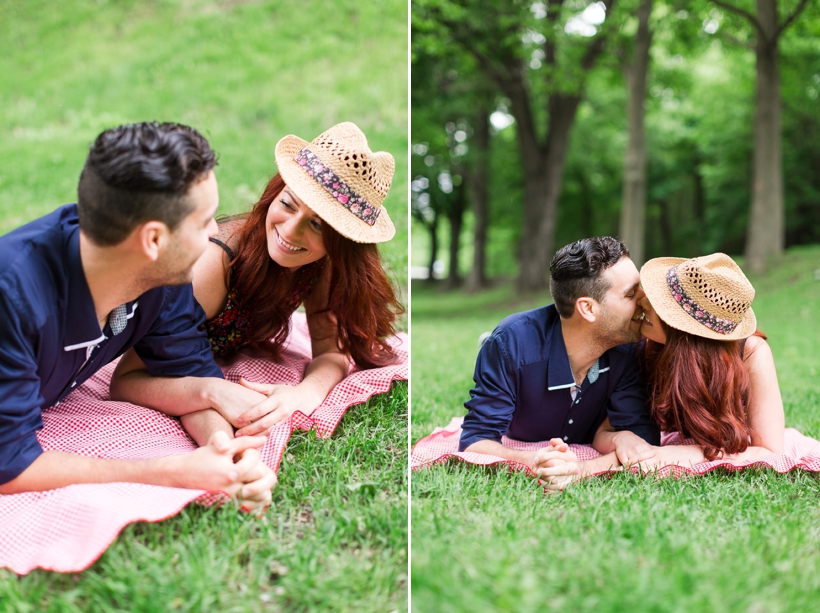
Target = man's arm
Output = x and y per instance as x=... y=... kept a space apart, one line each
x=177 y=396
x=221 y=465
x=627 y=407
x=491 y=405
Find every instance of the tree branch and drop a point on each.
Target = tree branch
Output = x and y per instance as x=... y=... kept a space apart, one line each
x=597 y=45
x=734 y=40
x=743 y=13
x=799 y=9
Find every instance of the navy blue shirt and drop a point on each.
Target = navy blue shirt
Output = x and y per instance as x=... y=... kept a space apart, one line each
x=50 y=339
x=523 y=384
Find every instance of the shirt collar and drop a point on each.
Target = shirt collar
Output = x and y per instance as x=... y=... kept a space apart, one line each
x=82 y=329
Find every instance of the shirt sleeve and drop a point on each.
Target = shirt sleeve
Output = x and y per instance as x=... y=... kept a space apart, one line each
x=492 y=400
x=627 y=407
x=174 y=346
x=20 y=399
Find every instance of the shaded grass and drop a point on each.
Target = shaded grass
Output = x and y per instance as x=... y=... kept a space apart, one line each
x=491 y=540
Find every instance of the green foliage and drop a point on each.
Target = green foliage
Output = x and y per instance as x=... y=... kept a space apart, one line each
x=490 y=540
x=699 y=114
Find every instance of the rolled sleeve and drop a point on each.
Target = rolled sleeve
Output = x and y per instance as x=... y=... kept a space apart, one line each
x=492 y=400
x=21 y=405
x=627 y=407
x=173 y=346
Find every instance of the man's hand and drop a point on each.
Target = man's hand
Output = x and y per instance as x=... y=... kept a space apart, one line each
x=631 y=448
x=557 y=466
x=280 y=402
x=223 y=464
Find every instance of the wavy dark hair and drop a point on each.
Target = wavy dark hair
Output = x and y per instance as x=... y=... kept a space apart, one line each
x=700 y=388
x=140 y=172
x=576 y=270
x=360 y=294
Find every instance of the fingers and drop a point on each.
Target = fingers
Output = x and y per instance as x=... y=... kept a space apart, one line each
x=259 y=489
x=220 y=441
x=248 y=460
x=241 y=443
x=559 y=444
x=566 y=468
x=264 y=424
x=546 y=454
x=262 y=388
x=257 y=412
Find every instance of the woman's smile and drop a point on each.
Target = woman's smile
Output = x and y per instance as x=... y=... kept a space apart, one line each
x=286 y=244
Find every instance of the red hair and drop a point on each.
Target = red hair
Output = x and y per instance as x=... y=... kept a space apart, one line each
x=360 y=295
x=700 y=388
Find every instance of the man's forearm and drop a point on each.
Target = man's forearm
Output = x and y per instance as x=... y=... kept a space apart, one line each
x=175 y=396
x=489 y=447
x=53 y=469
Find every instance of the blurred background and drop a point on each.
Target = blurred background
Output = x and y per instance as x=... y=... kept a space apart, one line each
x=244 y=73
x=682 y=127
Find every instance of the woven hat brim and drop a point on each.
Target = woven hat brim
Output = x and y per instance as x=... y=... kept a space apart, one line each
x=322 y=202
x=653 y=280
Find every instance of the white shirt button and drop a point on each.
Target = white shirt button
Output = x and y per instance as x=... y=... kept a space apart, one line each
x=566 y=437
x=570 y=421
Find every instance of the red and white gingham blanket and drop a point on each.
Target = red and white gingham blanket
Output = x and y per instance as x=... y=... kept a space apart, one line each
x=69 y=528
x=800 y=452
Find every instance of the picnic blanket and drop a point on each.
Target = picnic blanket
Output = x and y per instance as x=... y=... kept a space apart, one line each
x=800 y=452
x=69 y=528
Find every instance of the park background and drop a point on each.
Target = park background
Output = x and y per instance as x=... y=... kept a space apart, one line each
x=684 y=127
x=245 y=74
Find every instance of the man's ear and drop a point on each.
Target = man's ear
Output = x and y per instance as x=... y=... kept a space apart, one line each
x=587 y=308
x=152 y=237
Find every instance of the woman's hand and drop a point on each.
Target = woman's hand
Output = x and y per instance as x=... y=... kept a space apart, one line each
x=282 y=401
x=631 y=448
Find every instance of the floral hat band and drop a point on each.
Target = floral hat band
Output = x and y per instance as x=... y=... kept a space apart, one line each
x=708 y=296
x=697 y=312
x=336 y=187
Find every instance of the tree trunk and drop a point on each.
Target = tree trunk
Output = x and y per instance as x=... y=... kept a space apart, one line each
x=633 y=209
x=542 y=190
x=766 y=231
x=477 y=278
x=455 y=215
x=432 y=228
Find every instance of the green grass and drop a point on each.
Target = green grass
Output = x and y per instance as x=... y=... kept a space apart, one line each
x=245 y=73
x=490 y=540
x=335 y=538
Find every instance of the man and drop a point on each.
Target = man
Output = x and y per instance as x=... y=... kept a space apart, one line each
x=567 y=372
x=82 y=285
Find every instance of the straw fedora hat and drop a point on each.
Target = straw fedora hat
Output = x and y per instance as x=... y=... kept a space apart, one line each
x=342 y=180
x=707 y=296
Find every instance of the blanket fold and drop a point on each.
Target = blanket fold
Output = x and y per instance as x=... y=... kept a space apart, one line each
x=68 y=529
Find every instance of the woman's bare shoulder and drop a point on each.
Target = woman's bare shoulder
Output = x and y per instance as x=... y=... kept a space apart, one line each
x=229 y=228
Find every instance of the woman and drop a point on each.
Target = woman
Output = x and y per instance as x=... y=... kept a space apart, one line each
x=310 y=240
x=710 y=373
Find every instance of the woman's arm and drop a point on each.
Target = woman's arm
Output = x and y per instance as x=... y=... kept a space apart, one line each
x=765 y=409
x=328 y=367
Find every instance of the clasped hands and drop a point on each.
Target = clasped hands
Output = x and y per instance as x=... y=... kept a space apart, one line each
x=556 y=466
x=254 y=408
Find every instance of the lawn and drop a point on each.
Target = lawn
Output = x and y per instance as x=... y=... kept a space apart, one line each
x=244 y=73
x=490 y=540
